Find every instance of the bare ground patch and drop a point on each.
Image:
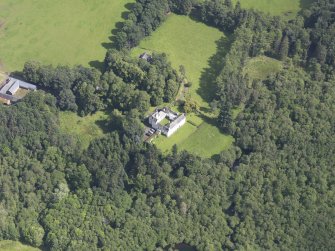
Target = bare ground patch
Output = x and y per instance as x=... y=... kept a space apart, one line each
x=2 y=24
x=21 y=93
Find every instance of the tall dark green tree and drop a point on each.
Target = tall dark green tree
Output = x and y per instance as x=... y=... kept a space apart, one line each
x=284 y=48
x=225 y=118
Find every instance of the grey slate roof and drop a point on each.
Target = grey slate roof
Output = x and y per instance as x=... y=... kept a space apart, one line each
x=8 y=90
x=15 y=86
x=177 y=120
x=6 y=87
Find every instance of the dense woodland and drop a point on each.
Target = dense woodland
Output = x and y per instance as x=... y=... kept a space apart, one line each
x=274 y=189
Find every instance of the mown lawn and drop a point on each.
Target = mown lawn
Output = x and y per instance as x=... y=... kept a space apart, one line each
x=15 y=246
x=56 y=32
x=204 y=140
x=165 y=144
x=85 y=129
x=288 y=8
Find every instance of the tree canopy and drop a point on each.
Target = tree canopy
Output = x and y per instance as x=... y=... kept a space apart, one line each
x=274 y=189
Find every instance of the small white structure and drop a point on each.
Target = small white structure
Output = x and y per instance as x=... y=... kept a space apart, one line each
x=175 y=121
x=145 y=56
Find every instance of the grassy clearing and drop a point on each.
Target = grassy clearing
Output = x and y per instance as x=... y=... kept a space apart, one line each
x=187 y=43
x=260 y=68
x=237 y=111
x=206 y=141
x=15 y=246
x=194 y=45
x=288 y=8
x=56 y=32
x=165 y=144
x=85 y=129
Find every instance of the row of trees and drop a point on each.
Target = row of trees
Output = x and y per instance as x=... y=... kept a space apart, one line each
x=126 y=84
x=145 y=17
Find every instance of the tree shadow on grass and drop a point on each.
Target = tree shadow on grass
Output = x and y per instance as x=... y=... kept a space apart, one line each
x=208 y=120
x=103 y=124
x=213 y=122
x=97 y=65
x=111 y=44
x=118 y=27
x=208 y=89
x=195 y=15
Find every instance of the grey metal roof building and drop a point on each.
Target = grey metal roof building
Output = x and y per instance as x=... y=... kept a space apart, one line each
x=27 y=86
x=11 y=86
x=6 y=87
x=15 y=86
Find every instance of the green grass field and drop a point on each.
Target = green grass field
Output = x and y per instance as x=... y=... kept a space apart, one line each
x=165 y=144
x=85 y=129
x=206 y=141
x=261 y=67
x=56 y=32
x=288 y=8
x=187 y=43
x=15 y=246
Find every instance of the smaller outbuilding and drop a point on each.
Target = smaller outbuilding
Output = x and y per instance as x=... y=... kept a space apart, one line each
x=145 y=56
